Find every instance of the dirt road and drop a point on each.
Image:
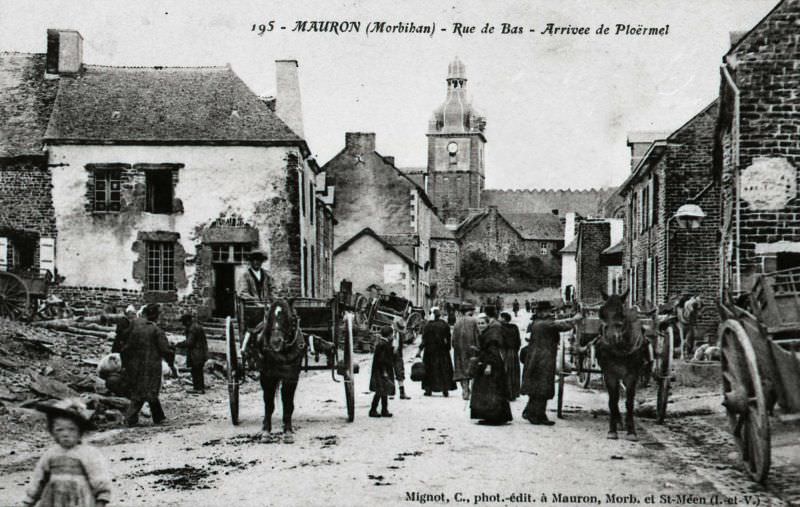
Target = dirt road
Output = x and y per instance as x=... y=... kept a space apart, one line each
x=429 y=452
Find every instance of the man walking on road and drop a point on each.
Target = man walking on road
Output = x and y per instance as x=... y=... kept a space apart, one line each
x=146 y=346
x=540 y=366
x=465 y=346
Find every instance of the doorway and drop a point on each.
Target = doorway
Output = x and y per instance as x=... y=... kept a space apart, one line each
x=224 y=290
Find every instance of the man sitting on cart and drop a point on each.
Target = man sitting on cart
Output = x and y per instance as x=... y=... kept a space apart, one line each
x=255 y=284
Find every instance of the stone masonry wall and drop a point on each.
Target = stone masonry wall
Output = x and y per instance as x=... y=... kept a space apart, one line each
x=592 y=277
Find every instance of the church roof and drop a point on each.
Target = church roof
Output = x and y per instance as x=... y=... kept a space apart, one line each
x=457 y=115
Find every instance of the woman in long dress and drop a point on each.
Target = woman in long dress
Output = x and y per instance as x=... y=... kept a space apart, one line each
x=490 y=391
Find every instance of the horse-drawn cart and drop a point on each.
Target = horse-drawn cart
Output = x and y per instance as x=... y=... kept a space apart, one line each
x=326 y=333
x=760 y=364
x=577 y=352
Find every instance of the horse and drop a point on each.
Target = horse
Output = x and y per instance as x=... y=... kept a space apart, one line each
x=622 y=355
x=686 y=310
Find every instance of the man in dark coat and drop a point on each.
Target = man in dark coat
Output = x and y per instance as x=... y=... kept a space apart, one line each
x=465 y=346
x=490 y=394
x=144 y=350
x=381 y=381
x=515 y=307
x=196 y=352
x=511 y=346
x=437 y=361
x=540 y=367
x=255 y=283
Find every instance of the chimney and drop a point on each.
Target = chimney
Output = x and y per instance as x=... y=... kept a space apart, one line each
x=64 y=52
x=555 y=212
x=287 y=95
x=359 y=142
x=569 y=227
x=389 y=159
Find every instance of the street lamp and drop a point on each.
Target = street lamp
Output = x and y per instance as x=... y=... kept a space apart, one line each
x=689 y=216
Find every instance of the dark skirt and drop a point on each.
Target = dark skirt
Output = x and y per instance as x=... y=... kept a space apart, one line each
x=512 y=364
x=488 y=400
x=438 y=371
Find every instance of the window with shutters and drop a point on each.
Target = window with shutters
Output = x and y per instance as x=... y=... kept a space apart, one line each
x=160 y=266
x=433 y=258
x=107 y=190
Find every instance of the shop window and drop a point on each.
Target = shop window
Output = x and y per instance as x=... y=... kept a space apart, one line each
x=107 y=194
x=160 y=266
x=160 y=191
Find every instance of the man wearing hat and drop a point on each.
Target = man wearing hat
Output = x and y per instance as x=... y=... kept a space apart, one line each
x=540 y=367
x=146 y=346
x=255 y=283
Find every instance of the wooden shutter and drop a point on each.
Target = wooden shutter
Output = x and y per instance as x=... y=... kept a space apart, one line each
x=47 y=255
x=650 y=203
x=3 y=254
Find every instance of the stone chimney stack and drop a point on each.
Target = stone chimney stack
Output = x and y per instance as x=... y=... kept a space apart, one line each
x=287 y=95
x=359 y=143
x=64 y=52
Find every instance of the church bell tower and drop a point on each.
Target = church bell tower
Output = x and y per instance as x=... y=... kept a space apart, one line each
x=456 y=144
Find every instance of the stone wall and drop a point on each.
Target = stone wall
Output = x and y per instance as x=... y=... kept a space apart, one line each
x=764 y=68
x=448 y=268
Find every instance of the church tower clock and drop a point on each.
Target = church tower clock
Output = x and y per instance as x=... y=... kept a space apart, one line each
x=456 y=143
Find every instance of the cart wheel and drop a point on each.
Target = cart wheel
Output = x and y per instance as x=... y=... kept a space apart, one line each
x=413 y=325
x=664 y=373
x=744 y=399
x=232 y=370
x=349 y=377
x=14 y=299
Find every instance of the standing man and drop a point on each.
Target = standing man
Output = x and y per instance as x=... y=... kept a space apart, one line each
x=511 y=346
x=398 y=339
x=437 y=361
x=515 y=307
x=465 y=346
x=527 y=306
x=196 y=352
x=255 y=283
x=540 y=367
x=146 y=346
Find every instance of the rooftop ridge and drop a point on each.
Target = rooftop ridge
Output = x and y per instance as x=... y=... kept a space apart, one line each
x=549 y=190
x=159 y=67
x=27 y=53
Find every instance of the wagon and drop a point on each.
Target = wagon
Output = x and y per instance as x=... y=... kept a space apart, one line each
x=385 y=308
x=577 y=353
x=327 y=333
x=23 y=295
x=760 y=365
x=659 y=330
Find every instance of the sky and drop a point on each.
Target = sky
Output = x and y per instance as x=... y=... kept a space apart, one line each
x=558 y=107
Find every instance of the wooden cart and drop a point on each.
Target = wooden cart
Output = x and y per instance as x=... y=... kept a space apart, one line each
x=23 y=295
x=760 y=364
x=327 y=335
x=577 y=353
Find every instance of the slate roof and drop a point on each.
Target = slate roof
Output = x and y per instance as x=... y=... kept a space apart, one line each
x=544 y=226
x=572 y=246
x=26 y=100
x=193 y=105
x=369 y=232
x=616 y=248
x=584 y=202
x=439 y=231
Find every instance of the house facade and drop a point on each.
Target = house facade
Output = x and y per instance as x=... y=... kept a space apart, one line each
x=662 y=261
x=757 y=152
x=164 y=178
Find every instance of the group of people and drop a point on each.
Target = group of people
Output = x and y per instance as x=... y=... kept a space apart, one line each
x=487 y=359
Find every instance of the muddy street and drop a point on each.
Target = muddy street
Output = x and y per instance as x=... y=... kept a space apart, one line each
x=429 y=452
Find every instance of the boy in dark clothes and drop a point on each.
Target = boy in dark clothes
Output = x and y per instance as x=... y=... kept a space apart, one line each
x=196 y=352
x=381 y=381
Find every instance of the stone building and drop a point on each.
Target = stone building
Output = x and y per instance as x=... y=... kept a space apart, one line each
x=661 y=260
x=756 y=150
x=27 y=219
x=163 y=178
x=378 y=205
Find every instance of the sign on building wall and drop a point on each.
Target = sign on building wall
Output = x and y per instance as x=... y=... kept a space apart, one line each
x=769 y=183
x=393 y=273
x=47 y=255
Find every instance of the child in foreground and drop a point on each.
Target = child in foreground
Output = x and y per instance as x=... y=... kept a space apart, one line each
x=71 y=473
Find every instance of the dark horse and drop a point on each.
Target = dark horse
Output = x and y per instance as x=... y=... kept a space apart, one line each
x=622 y=355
